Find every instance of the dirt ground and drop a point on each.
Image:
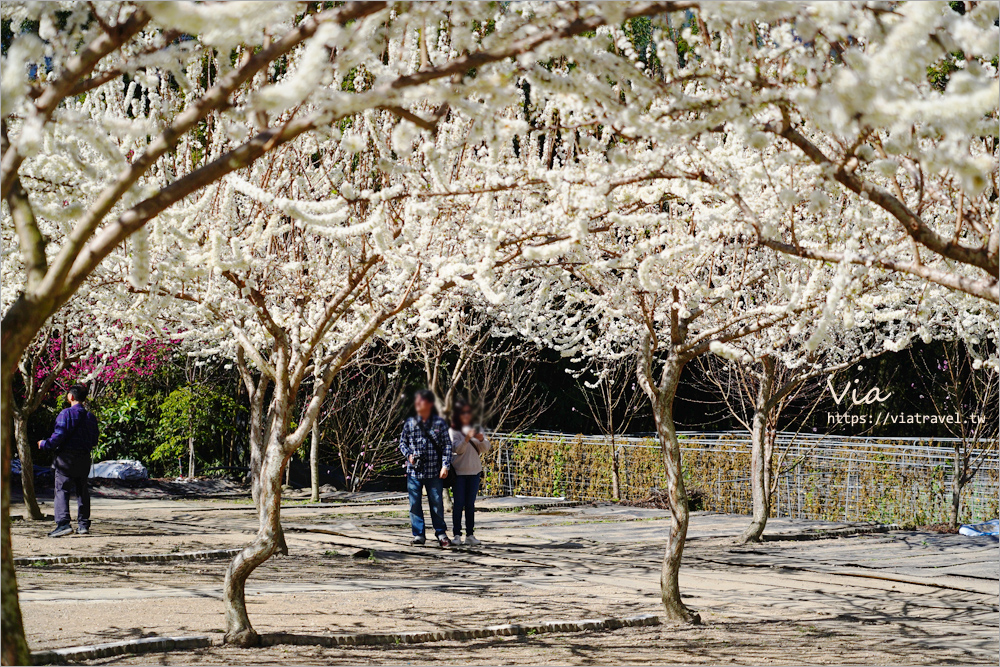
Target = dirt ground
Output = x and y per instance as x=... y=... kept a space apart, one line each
x=892 y=598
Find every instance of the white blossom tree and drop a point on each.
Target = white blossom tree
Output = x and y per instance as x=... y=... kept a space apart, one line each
x=668 y=273
x=527 y=131
x=131 y=108
x=768 y=369
x=854 y=131
x=840 y=133
x=670 y=311
x=293 y=266
x=663 y=289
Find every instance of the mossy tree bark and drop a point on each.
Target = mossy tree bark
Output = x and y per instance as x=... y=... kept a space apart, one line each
x=760 y=460
x=776 y=383
x=661 y=392
x=286 y=370
x=269 y=538
x=261 y=422
x=27 y=467
x=314 y=463
x=15 y=646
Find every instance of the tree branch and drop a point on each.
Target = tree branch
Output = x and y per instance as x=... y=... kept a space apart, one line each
x=76 y=69
x=214 y=98
x=29 y=236
x=986 y=289
x=914 y=226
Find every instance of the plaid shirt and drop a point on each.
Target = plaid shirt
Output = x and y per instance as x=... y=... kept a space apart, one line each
x=413 y=441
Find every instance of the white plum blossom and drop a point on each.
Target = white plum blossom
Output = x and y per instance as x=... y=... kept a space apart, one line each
x=288 y=181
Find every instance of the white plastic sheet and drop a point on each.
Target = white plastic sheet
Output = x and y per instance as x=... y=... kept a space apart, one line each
x=987 y=529
x=123 y=469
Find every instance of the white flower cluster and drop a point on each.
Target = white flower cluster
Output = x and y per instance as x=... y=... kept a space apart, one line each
x=791 y=181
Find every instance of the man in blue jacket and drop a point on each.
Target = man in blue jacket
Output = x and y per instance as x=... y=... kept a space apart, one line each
x=71 y=443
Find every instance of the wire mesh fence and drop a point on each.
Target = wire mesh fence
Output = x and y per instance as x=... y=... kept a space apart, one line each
x=902 y=480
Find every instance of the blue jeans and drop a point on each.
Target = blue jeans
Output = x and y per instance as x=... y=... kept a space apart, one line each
x=435 y=498
x=465 y=490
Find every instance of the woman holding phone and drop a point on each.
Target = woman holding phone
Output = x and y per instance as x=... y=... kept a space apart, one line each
x=468 y=445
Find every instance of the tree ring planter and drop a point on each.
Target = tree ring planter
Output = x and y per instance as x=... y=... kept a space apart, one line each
x=130 y=647
x=127 y=558
x=457 y=634
x=163 y=644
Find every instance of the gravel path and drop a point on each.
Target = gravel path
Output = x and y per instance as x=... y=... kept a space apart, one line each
x=884 y=598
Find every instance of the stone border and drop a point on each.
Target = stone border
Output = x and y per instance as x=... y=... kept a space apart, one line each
x=830 y=533
x=130 y=647
x=128 y=558
x=424 y=636
x=162 y=644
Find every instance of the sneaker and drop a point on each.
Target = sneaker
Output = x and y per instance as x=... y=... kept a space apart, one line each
x=472 y=541
x=83 y=530
x=444 y=541
x=456 y=541
x=418 y=540
x=61 y=530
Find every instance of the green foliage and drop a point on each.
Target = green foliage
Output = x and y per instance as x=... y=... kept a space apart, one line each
x=640 y=33
x=940 y=72
x=127 y=426
x=559 y=469
x=194 y=411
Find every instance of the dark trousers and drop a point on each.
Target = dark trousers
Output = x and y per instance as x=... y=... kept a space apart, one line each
x=64 y=486
x=435 y=498
x=465 y=489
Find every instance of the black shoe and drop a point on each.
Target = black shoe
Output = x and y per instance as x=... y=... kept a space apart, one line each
x=418 y=540
x=61 y=530
x=83 y=530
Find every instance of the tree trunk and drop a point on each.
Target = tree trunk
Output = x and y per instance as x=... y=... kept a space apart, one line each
x=15 y=646
x=760 y=489
x=258 y=434
x=27 y=467
x=662 y=399
x=616 y=491
x=191 y=456
x=956 y=506
x=269 y=538
x=257 y=440
x=957 y=484
x=314 y=463
x=449 y=505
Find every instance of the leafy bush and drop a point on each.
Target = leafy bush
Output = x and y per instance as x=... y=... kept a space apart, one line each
x=200 y=412
x=127 y=426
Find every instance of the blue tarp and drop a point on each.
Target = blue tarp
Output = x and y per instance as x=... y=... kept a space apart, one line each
x=987 y=529
x=43 y=474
